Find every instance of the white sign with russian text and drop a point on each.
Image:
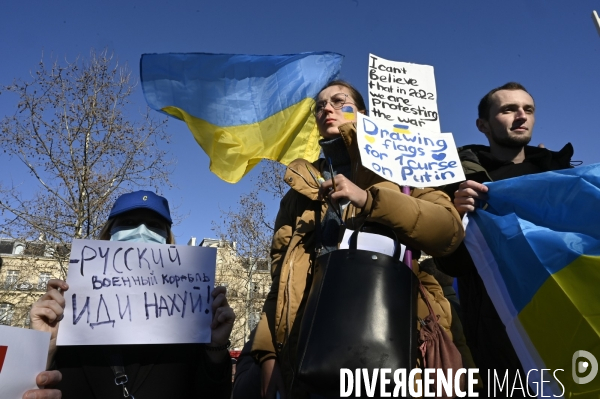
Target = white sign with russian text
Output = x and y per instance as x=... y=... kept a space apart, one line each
x=122 y=292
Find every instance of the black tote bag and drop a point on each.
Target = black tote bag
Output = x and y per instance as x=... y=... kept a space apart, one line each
x=361 y=312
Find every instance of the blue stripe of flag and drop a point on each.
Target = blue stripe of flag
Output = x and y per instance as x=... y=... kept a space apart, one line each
x=232 y=90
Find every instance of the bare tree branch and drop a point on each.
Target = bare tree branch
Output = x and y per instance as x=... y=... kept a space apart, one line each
x=82 y=145
x=248 y=231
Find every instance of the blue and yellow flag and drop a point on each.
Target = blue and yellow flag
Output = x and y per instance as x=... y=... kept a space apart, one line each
x=537 y=249
x=242 y=108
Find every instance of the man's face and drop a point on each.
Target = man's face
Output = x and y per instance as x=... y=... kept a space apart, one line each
x=511 y=119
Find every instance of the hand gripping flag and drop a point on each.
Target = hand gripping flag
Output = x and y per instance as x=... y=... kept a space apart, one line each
x=537 y=249
x=242 y=108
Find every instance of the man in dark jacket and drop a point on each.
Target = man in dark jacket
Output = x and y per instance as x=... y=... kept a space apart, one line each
x=506 y=117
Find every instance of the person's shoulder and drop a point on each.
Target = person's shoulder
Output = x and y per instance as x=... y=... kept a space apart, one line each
x=552 y=160
x=470 y=160
x=563 y=157
x=470 y=152
x=304 y=177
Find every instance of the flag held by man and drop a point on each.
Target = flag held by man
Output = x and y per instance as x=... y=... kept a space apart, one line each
x=537 y=249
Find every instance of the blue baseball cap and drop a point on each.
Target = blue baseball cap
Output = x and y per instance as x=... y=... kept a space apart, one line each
x=141 y=199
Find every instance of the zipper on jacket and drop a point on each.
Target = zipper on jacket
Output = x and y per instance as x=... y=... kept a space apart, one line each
x=354 y=174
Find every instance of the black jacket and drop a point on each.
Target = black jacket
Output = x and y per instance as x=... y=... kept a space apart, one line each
x=154 y=371
x=486 y=334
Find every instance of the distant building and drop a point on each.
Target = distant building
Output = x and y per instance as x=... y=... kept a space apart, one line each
x=248 y=282
x=25 y=268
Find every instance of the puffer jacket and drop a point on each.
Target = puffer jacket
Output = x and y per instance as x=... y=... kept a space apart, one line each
x=425 y=220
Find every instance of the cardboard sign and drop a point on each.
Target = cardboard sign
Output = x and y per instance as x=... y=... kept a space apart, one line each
x=23 y=355
x=403 y=94
x=412 y=157
x=137 y=293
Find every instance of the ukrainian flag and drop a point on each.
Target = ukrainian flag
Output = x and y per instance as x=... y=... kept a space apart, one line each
x=403 y=129
x=242 y=108
x=537 y=249
x=348 y=113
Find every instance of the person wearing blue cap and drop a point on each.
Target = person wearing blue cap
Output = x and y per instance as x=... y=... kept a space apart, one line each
x=140 y=216
x=152 y=371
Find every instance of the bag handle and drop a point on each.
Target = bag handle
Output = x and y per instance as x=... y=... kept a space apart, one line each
x=424 y=296
x=376 y=228
x=408 y=255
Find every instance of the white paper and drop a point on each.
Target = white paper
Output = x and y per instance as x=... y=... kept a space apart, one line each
x=137 y=293
x=417 y=159
x=403 y=94
x=26 y=356
x=372 y=242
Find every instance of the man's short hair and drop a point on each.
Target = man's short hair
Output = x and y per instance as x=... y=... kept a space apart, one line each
x=485 y=103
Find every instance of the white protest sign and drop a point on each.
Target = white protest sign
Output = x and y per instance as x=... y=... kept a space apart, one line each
x=137 y=293
x=412 y=157
x=23 y=355
x=403 y=93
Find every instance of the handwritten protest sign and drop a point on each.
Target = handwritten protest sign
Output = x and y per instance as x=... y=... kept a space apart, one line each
x=137 y=293
x=412 y=157
x=23 y=355
x=403 y=93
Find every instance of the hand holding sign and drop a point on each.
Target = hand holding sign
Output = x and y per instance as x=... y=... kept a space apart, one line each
x=45 y=380
x=344 y=190
x=223 y=317
x=221 y=326
x=48 y=311
x=468 y=195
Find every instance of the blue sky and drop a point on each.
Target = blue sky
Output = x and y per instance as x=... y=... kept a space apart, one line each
x=551 y=47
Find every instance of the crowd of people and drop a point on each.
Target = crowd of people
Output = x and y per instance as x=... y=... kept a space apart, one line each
x=310 y=223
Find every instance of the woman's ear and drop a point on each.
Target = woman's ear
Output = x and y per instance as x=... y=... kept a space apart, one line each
x=362 y=111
